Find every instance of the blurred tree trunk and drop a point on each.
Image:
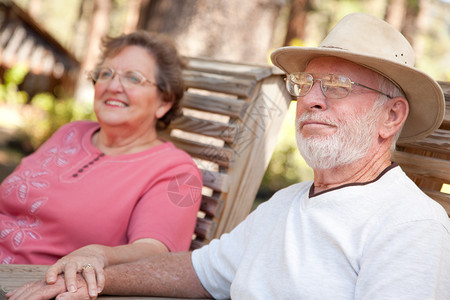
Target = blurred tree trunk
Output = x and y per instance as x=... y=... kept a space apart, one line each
x=97 y=12
x=403 y=15
x=297 y=22
x=395 y=13
x=232 y=30
x=78 y=43
x=421 y=21
x=409 y=28
x=132 y=17
x=408 y=16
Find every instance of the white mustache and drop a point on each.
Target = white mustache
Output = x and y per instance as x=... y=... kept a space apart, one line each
x=307 y=116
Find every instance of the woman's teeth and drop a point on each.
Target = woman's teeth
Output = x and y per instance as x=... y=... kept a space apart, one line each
x=115 y=103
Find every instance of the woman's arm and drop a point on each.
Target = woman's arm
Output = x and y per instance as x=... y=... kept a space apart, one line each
x=92 y=259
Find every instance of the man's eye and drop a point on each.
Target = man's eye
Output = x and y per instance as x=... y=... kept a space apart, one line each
x=339 y=90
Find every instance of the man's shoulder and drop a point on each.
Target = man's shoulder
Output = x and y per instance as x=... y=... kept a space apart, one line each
x=294 y=189
x=404 y=199
x=288 y=194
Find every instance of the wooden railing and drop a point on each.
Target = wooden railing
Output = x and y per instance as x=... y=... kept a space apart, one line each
x=232 y=116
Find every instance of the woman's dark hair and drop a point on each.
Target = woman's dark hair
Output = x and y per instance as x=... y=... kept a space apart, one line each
x=169 y=65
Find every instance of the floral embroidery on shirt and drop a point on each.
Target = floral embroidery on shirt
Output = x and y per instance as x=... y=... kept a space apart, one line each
x=60 y=154
x=37 y=204
x=19 y=230
x=22 y=183
x=6 y=260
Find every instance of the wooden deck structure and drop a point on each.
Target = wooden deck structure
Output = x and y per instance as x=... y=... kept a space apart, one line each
x=24 y=41
x=232 y=116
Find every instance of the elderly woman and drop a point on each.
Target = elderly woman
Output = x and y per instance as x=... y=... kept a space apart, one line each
x=107 y=192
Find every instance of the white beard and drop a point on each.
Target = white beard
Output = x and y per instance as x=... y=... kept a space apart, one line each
x=349 y=143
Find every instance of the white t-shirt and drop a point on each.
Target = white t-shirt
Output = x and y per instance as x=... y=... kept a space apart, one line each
x=380 y=240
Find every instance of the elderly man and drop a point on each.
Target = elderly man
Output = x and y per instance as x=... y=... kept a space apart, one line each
x=361 y=230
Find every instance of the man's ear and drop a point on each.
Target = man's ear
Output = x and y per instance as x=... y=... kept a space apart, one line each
x=395 y=116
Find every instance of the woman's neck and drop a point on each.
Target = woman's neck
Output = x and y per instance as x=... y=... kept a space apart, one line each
x=113 y=143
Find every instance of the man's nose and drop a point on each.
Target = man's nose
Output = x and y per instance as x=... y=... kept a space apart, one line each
x=315 y=99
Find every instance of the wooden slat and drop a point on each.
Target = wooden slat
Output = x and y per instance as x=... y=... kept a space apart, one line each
x=425 y=182
x=217 y=181
x=234 y=108
x=219 y=83
x=197 y=243
x=28 y=274
x=6 y=33
x=438 y=142
x=224 y=131
x=211 y=206
x=223 y=157
x=205 y=228
x=423 y=166
x=229 y=68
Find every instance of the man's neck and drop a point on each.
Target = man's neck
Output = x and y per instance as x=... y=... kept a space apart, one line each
x=363 y=170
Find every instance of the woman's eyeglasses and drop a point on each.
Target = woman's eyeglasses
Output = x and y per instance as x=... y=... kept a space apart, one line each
x=127 y=78
x=333 y=86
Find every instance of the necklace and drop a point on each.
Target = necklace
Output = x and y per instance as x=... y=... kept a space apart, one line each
x=81 y=170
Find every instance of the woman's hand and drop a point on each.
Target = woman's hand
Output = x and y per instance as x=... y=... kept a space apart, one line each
x=89 y=261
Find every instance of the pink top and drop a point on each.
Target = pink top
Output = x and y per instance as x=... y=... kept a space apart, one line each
x=67 y=195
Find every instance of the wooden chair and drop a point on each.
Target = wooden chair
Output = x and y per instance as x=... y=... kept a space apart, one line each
x=427 y=161
x=232 y=114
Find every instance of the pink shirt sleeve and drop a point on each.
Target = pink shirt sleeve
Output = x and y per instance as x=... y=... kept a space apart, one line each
x=166 y=210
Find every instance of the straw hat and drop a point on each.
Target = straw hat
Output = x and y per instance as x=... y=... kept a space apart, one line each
x=375 y=44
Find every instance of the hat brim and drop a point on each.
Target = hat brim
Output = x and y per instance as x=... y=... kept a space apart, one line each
x=424 y=95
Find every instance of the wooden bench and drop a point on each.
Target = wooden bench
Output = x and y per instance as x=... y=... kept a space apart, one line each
x=232 y=114
x=427 y=161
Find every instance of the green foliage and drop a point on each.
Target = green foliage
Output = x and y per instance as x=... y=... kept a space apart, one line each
x=9 y=92
x=56 y=112
x=39 y=118
x=16 y=75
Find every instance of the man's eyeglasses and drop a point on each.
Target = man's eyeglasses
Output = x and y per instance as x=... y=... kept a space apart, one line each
x=333 y=86
x=127 y=78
